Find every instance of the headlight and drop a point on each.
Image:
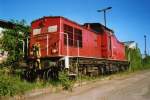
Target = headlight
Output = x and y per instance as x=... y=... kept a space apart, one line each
x=54 y=50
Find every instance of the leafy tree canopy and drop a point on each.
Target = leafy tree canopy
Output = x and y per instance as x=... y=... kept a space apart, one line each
x=12 y=40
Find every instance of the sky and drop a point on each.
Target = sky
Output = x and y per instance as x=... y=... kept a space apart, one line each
x=130 y=19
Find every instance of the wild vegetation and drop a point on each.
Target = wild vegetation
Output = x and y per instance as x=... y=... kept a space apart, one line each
x=11 y=84
x=146 y=62
x=136 y=60
x=12 y=41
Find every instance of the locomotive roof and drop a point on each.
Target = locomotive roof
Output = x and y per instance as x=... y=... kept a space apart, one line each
x=96 y=25
x=55 y=17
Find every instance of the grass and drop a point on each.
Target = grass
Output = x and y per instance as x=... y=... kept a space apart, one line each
x=64 y=80
x=11 y=85
x=146 y=62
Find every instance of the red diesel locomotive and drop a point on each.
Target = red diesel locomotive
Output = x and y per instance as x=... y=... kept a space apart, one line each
x=57 y=42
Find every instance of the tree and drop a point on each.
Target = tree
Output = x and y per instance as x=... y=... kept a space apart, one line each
x=134 y=57
x=146 y=62
x=12 y=40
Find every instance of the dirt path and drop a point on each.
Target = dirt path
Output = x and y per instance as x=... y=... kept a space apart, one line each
x=133 y=87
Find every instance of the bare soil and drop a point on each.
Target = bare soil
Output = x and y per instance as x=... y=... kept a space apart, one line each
x=135 y=86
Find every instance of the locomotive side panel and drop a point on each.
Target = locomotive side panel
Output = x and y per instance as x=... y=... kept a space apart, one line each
x=118 y=49
x=82 y=42
x=50 y=33
x=104 y=45
x=68 y=30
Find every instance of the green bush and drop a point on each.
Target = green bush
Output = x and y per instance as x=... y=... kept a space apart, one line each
x=146 y=62
x=13 y=85
x=135 y=58
x=65 y=81
x=10 y=86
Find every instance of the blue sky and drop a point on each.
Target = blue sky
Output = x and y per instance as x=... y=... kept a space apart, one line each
x=129 y=19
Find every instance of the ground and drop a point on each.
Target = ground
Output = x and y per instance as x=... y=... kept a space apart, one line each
x=135 y=86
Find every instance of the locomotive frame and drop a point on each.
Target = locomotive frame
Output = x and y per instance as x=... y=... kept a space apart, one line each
x=90 y=49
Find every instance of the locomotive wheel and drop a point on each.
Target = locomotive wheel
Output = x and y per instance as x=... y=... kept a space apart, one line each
x=126 y=67
x=110 y=70
x=117 y=69
x=30 y=75
x=122 y=68
x=114 y=69
x=55 y=73
x=48 y=74
x=102 y=70
x=39 y=74
x=27 y=75
x=44 y=74
x=107 y=70
x=33 y=75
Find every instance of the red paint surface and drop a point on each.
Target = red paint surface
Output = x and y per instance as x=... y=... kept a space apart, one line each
x=94 y=44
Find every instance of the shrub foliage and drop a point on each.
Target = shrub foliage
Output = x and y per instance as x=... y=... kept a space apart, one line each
x=136 y=60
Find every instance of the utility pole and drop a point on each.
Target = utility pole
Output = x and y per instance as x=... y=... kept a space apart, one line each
x=145 y=46
x=104 y=10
